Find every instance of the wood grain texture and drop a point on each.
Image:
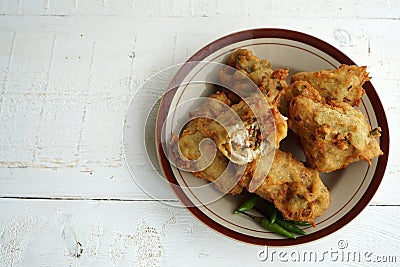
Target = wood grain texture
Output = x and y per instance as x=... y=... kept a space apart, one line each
x=68 y=70
x=142 y=233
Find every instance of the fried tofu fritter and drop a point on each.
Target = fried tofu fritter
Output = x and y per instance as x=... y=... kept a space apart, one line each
x=320 y=109
x=246 y=62
x=297 y=191
x=260 y=72
x=241 y=138
x=237 y=132
x=343 y=84
x=332 y=135
x=189 y=141
x=294 y=90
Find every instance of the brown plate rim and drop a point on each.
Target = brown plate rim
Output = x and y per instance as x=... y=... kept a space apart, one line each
x=293 y=36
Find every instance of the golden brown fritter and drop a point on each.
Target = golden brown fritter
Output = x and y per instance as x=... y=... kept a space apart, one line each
x=293 y=90
x=246 y=62
x=240 y=145
x=297 y=191
x=242 y=157
x=281 y=126
x=189 y=142
x=243 y=139
x=343 y=84
x=247 y=65
x=332 y=134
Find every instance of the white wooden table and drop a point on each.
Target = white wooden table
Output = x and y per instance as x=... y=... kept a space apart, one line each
x=68 y=70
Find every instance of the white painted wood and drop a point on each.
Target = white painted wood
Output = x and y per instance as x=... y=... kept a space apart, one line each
x=127 y=233
x=68 y=70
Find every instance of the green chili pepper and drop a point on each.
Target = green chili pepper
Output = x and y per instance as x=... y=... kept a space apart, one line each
x=273 y=227
x=273 y=215
x=290 y=226
x=276 y=228
x=268 y=209
x=247 y=205
x=301 y=223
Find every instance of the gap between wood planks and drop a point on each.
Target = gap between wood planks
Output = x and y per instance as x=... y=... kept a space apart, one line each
x=89 y=199
x=134 y=200
x=176 y=16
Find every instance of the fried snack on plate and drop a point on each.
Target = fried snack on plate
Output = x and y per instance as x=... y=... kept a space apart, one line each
x=241 y=136
x=343 y=84
x=247 y=65
x=189 y=143
x=332 y=134
x=297 y=191
x=294 y=90
x=237 y=132
x=237 y=143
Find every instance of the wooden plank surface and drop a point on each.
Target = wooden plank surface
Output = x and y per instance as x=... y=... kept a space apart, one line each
x=68 y=70
x=148 y=233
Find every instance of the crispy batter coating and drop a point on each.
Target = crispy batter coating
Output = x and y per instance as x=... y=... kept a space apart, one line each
x=246 y=62
x=189 y=141
x=269 y=81
x=297 y=191
x=332 y=134
x=241 y=159
x=245 y=142
x=293 y=90
x=239 y=137
x=281 y=126
x=248 y=141
x=343 y=84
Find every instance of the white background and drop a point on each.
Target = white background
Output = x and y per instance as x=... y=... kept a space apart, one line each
x=68 y=70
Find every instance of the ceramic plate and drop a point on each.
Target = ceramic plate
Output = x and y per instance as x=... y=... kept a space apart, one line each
x=351 y=189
